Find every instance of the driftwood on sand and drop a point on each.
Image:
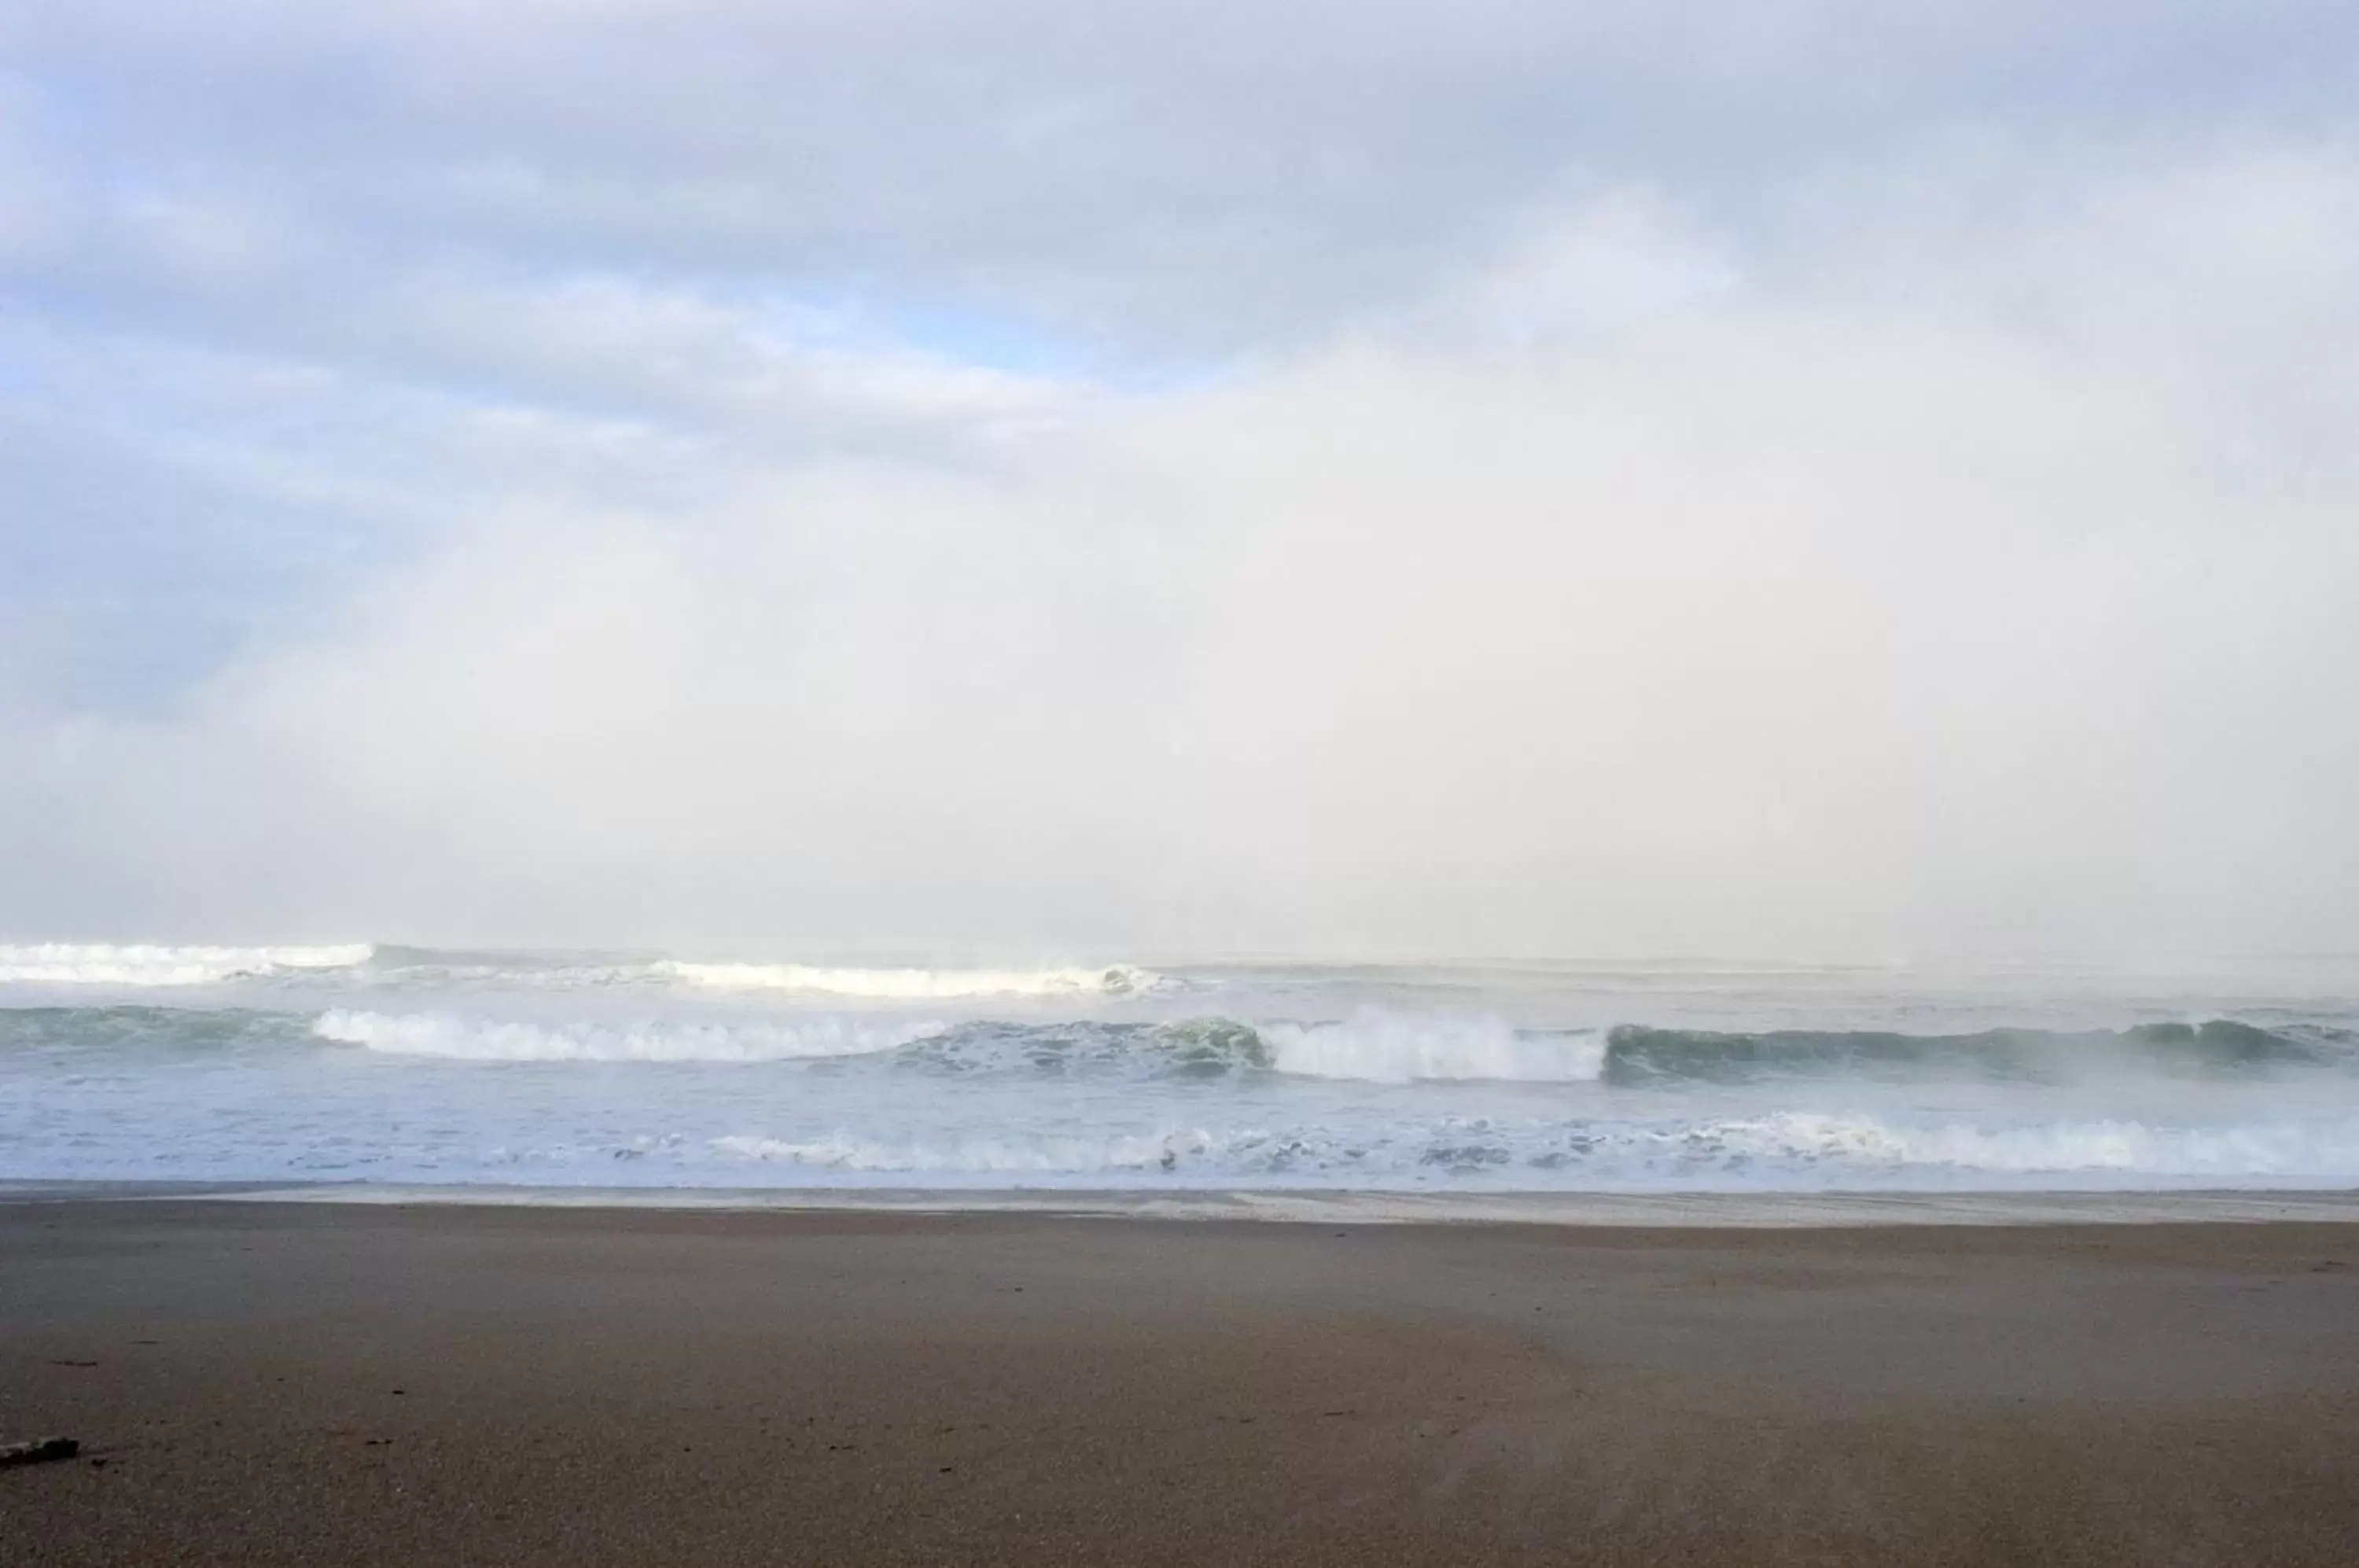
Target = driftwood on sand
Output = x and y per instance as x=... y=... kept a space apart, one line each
x=41 y=1451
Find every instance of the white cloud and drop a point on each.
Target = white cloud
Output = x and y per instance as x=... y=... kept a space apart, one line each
x=1167 y=181
x=1985 y=595
x=1801 y=478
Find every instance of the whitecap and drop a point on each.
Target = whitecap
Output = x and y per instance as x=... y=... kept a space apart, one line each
x=148 y=963
x=913 y=985
x=486 y=1040
x=1395 y=1047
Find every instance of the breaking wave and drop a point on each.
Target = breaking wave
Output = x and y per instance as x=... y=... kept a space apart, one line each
x=1378 y=1046
x=1392 y=1048
x=1373 y=1047
x=139 y=964
x=385 y=966
x=476 y=1040
x=1637 y=1055
x=913 y=985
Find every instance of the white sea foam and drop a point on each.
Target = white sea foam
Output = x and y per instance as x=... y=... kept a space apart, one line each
x=913 y=985
x=1768 y=1153
x=2241 y=1151
x=139 y=964
x=1393 y=1048
x=1051 y=1154
x=482 y=1039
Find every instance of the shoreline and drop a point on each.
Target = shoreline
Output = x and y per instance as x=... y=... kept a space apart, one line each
x=1664 y=1210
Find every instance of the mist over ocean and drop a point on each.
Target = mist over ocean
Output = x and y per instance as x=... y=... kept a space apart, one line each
x=395 y=1065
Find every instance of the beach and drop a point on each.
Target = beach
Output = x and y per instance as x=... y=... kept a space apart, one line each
x=332 y=1383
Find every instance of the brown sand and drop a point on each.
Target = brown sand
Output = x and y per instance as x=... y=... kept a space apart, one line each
x=310 y=1384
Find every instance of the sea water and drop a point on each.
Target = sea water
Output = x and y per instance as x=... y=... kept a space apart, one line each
x=380 y=1064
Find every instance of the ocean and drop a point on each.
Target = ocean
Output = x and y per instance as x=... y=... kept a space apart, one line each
x=373 y=1063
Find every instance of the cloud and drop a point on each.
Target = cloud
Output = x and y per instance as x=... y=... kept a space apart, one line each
x=1779 y=480
x=1950 y=597
x=1158 y=181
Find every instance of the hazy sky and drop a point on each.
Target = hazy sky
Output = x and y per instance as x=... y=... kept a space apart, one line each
x=1785 y=479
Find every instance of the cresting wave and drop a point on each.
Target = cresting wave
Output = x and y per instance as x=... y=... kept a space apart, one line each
x=1378 y=1047
x=477 y=1040
x=2214 y=1046
x=368 y=966
x=913 y=985
x=1372 y=1046
x=1375 y=1048
x=144 y=963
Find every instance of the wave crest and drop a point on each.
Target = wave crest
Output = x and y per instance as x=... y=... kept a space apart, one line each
x=1378 y=1047
x=147 y=964
x=480 y=1039
x=1372 y=1046
x=1638 y=1055
x=913 y=985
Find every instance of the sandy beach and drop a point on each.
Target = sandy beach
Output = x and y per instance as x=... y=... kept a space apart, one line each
x=281 y=1383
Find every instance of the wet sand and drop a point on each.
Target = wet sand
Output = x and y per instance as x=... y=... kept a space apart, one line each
x=295 y=1383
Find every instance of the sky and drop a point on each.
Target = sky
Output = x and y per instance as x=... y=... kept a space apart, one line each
x=1792 y=479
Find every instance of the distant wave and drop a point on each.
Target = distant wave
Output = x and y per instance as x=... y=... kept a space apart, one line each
x=913 y=985
x=108 y=963
x=1637 y=1055
x=383 y=968
x=478 y=1039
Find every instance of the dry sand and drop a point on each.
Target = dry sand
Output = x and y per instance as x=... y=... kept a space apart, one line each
x=261 y=1384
